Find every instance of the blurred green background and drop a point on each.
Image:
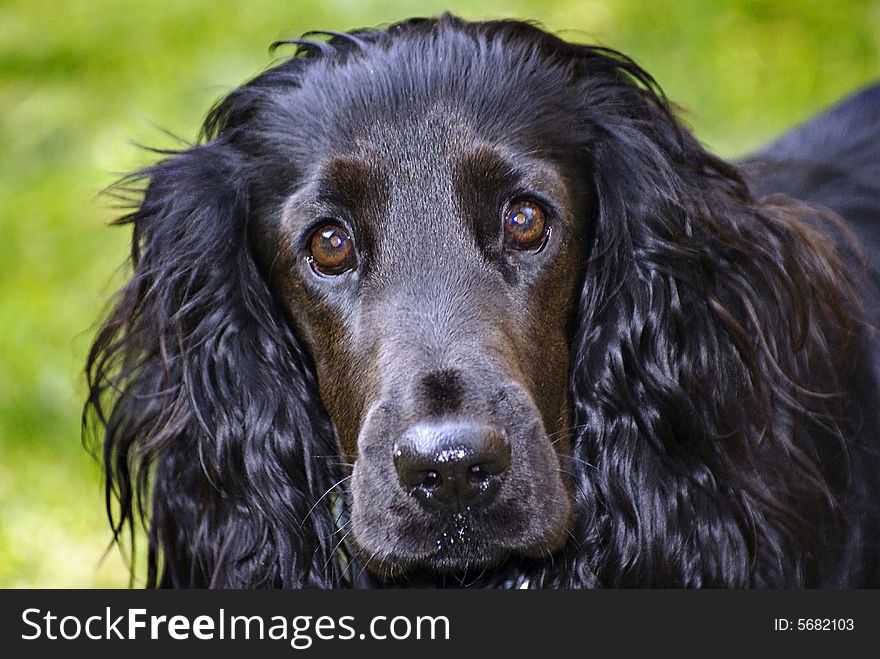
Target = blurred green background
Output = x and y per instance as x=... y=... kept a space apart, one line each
x=82 y=81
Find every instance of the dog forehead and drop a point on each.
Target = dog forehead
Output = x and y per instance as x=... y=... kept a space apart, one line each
x=434 y=83
x=419 y=164
x=414 y=145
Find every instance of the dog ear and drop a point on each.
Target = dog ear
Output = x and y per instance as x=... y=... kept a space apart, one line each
x=213 y=431
x=706 y=359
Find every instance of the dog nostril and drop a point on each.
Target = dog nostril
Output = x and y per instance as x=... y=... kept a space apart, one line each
x=432 y=480
x=478 y=473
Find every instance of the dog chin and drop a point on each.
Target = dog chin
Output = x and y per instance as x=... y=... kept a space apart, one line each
x=456 y=553
x=444 y=561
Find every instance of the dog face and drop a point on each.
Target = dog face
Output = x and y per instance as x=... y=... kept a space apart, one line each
x=429 y=257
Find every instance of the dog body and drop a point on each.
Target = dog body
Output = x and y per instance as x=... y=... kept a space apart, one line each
x=461 y=303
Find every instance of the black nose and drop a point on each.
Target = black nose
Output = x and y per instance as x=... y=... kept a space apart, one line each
x=454 y=465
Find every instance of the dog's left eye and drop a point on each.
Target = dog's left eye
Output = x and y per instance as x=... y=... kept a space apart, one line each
x=525 y=226
x=331 y=250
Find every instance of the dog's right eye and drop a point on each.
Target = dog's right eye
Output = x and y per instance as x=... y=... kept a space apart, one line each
x=525 y=226
x=331 y=250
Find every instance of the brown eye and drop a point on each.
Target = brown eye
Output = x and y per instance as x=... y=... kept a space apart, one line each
x=525 y=227
x=331 y=250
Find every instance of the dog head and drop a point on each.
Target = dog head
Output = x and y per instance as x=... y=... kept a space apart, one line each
x=428 y=250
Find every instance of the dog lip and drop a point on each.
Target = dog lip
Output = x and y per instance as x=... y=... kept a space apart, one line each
x=461 y=544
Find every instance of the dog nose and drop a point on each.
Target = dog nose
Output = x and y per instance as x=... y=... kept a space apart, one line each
x=454 y=465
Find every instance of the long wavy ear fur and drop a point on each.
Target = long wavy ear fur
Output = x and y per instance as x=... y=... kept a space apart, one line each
x=712 y=365
x=213 y=431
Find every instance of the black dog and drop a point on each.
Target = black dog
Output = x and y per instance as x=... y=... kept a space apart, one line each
x=463 y=303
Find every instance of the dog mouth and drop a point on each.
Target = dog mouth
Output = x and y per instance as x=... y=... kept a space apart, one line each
x=464 y=547
x=458 y=552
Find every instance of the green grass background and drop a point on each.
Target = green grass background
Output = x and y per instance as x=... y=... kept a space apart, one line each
x=82 y=81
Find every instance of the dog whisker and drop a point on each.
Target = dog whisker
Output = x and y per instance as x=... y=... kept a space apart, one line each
x=321 y=498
